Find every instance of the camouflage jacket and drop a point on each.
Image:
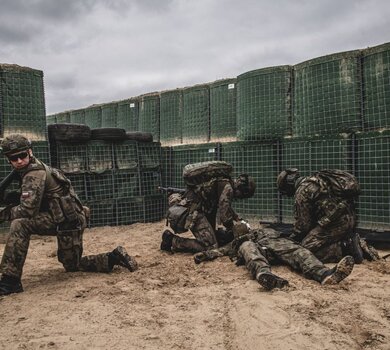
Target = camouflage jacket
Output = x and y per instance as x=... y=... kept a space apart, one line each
x=37 y=187
x=215 y=195
x=314 y=206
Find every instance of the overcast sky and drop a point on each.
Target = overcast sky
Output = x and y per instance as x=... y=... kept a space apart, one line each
x=96 y=51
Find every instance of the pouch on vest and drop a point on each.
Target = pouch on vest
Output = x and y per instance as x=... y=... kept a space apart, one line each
x=177 y=217
x=55 y=210
x=68 y=206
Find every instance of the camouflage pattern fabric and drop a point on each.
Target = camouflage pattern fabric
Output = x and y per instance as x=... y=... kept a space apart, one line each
x=31 y=216
x=322 y=222
x=215 y=195
x=204 y=237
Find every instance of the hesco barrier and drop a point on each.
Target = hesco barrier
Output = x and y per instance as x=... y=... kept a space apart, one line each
x=106 y=174
x=312 y=154
x=223 y=116
x=22 y=102
x=258 y=160
x=149 y=114
x=126 y=155
x=70 y=158
x=128 y=114
x=100 y=156
x=63 y=117
x=51 y=119
x=77 y=116
x=196 y=114
x=171 y=117
x=183 y=155
x=264 y=103
x=376 y=87
x=373 y=172
x=109 y=114
x=327 y=95
x=93 y=116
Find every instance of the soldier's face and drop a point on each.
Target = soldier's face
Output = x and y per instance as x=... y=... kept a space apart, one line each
x=20 y=160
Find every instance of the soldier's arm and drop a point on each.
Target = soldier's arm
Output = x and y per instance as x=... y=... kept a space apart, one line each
x=226 y=211
x=32 y=190
x=303 y=210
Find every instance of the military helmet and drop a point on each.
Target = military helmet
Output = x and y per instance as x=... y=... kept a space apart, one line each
x=14 y=143
x=286 y=181
x=246 y=185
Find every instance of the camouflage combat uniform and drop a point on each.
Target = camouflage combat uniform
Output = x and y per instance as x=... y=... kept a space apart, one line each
x=216 y=195
x=322 y=222
x=266 y=247
x=38 y=213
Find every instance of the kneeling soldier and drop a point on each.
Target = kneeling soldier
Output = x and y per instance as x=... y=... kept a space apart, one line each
x=48 y=205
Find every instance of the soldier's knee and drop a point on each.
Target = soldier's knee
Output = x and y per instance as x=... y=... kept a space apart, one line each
x=19 y=225
x=70 y=259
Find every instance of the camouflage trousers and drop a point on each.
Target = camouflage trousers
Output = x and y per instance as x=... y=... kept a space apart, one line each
x=70 y=246
x=326 y=243
x=205 y=238
x=272 y=249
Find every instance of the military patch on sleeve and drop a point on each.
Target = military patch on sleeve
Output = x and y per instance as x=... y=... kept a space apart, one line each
x=26 y=194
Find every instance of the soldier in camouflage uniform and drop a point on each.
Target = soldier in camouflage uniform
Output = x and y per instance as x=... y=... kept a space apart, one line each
x=48 y=205
x=324 y=223
x=260 y=249
x=201 y=213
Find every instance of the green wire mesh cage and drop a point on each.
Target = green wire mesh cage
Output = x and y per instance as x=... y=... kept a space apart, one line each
x=109 y=115
x=93 y=116
x=22 y=102
x=171 y=117
x=128 y=114
x=196 y=114
x=223 y=116
x=376 y=87
x=264 y=104
x=327 y=95
x=149 y=114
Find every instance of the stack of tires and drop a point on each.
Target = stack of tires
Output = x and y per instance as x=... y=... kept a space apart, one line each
x=111 y=171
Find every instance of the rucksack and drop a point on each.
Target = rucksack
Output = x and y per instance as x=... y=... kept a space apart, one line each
x=339 y=183
x=199 y=173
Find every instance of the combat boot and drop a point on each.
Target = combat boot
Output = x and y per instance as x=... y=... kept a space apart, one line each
x=369 y=252
x=120 y=257
x=270 y=281
x=351 y=246
x=342 y=270
x=9 y=285
x=166 y=241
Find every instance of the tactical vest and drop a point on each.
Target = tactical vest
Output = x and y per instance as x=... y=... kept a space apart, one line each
x=59 y=197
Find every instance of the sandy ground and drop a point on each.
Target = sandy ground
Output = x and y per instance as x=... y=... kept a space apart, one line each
x=171 y=303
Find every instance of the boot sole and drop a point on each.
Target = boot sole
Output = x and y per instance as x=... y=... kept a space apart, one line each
x=343 y=270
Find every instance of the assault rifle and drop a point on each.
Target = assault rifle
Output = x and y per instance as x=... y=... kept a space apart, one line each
x=170 y=190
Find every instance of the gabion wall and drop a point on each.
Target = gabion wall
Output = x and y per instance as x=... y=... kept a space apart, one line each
x=112 y=178
x=22 y=102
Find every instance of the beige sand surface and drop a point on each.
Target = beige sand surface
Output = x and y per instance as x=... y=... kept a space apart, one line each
x=171 y=303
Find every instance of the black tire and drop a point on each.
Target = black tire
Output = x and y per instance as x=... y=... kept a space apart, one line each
x=139 y=136
x=68 y=132
x=108 y=134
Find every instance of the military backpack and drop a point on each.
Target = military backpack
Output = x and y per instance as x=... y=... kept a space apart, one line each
x=339 y=183
x=199 y=173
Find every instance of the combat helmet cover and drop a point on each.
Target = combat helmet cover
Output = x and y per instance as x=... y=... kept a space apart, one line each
x=14 y=143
